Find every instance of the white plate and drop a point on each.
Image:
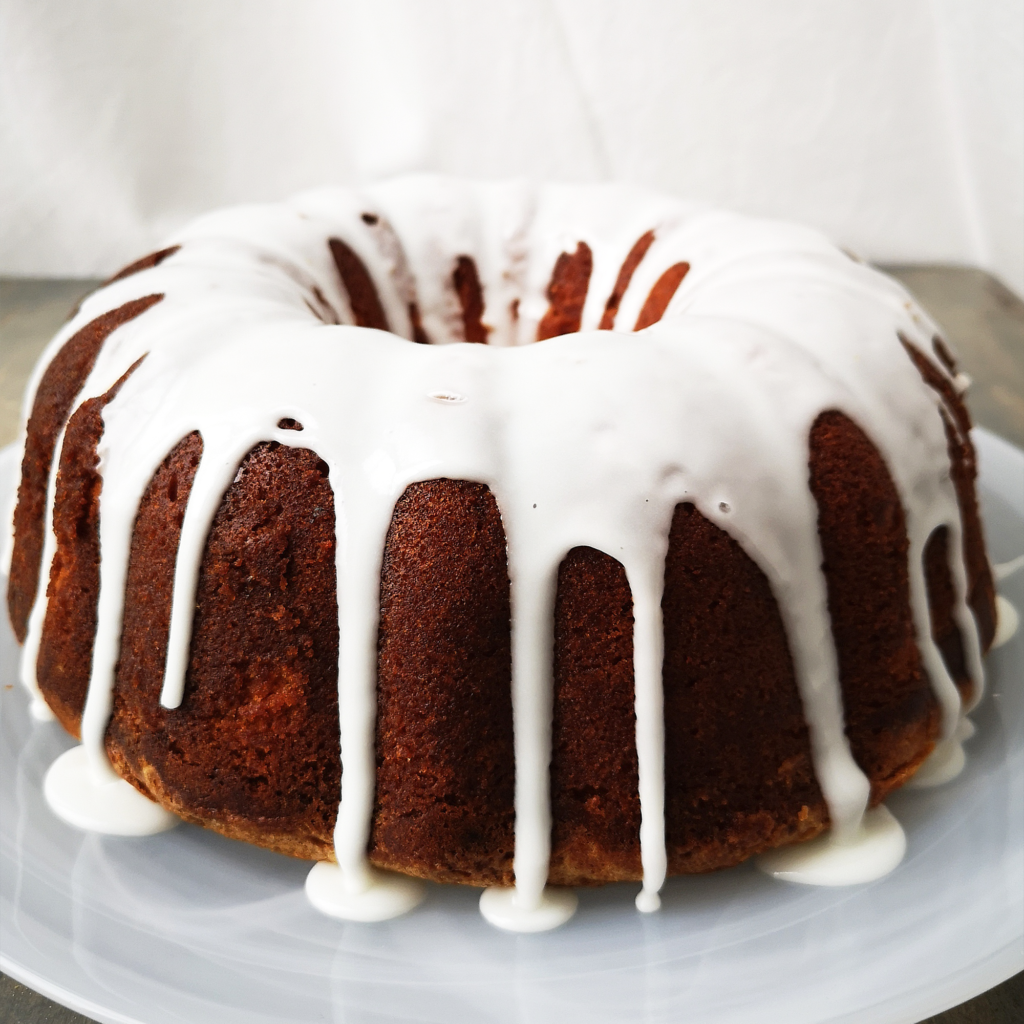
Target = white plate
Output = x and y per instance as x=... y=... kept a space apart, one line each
x=190 y=927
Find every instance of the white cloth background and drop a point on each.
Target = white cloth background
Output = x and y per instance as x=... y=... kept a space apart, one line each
x=895 y=125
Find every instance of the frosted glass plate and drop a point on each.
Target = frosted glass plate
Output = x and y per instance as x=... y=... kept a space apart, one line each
x=190 y=927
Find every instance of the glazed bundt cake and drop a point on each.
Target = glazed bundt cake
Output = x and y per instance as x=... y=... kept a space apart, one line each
x=502 y=535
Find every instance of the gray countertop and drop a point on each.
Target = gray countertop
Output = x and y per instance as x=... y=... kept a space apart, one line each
x=981 y=318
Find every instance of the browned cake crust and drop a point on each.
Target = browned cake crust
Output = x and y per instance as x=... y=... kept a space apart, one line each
x=445 y=760
x=625 y=275
x=892 y=716
x=362 y=295
x=661 y=295
x=153 y=259
x=471 y=298
x=567 y=293
x=941 y=602
x=595 y=804
x=54 y=398
x=738 y=772
x=65 y=649
x=964 y=469
x=253 y=749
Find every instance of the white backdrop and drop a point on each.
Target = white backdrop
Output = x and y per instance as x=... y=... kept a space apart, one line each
x=895 y=125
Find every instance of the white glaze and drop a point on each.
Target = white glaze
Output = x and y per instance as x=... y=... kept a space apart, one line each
x=946 y=761
x=591 y=439
x=40 y=710
x=1007 y=621
x=876 y=849
x=100 y=804
x=385 y=895
x=503 y=909
x=1004 y=570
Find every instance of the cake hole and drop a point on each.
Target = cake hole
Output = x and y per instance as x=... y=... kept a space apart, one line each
x=447 y=396
x=288 y=424
x=724 y=506
x=370 y=218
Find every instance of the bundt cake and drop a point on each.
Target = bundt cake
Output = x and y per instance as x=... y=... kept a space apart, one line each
x=500 y=534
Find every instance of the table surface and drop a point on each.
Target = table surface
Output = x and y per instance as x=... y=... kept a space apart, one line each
x=982 y=319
